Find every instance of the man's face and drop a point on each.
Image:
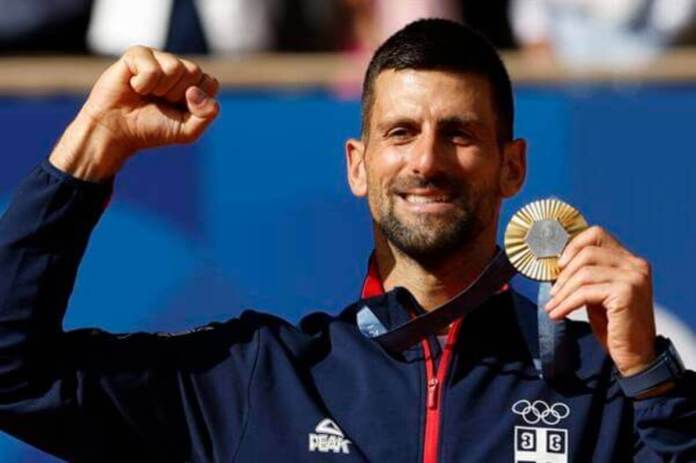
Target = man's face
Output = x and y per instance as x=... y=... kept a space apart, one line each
x=431 y=165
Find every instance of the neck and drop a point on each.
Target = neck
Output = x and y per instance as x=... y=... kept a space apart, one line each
x=435 y=283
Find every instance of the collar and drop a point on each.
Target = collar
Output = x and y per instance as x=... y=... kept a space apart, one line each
x=372 y=285
x=398 y=305
x=386 y=310
x=391 y=308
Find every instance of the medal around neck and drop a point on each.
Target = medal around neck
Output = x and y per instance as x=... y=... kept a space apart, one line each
x=538 y=233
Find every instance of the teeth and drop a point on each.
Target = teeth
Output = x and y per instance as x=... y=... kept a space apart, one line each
x=418 y=199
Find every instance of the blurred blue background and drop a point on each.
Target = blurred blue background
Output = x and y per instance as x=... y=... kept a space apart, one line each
x=258 y=213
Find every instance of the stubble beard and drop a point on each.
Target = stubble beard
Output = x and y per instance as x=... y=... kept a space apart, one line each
x=432 y=239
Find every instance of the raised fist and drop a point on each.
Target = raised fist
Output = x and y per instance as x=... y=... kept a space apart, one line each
x=145 y=99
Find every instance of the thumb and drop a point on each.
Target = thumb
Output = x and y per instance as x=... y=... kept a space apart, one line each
x=200 y=104
x=202 y=110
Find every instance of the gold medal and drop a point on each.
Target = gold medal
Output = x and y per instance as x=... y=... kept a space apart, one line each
x=538 y=233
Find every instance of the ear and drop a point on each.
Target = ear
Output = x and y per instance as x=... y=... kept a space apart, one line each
x=514 y=169
x=355 y=165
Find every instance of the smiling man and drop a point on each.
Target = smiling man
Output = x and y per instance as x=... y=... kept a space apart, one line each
x=434 y=162
x=435 y=159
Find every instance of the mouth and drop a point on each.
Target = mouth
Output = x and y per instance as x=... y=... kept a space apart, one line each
x=426 y=201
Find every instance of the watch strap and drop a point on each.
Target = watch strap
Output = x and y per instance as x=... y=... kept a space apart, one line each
x=666 y=367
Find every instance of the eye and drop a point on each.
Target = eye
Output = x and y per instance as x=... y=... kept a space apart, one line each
x=400 y=133
x=461 y=137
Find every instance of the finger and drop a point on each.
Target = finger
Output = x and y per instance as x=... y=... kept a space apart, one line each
x=593 y=236
x=587 y=275
x=590 y=255
x=209 y=85
x=586 y=295
x=202 y=111
x=172 y=71
x=146 y=71
x=200 y=103
x=192 y=76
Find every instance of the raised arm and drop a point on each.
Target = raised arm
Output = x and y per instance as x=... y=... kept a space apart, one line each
x=88 y=395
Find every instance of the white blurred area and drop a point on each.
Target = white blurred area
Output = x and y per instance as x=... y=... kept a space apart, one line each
x=230 y=26
x=600 y=33
x=234 y=26
x=114 y=25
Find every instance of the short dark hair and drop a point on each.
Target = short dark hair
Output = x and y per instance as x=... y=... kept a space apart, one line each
x=441 y=44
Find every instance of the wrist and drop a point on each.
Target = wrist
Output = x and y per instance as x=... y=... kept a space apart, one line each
x=89 y=151
x=658 y=377
x=639 y=365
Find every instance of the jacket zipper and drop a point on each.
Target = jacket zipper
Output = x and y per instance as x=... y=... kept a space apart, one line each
x=434 y=388
x=372 y=286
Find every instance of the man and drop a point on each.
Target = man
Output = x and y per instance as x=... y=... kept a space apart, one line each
x=436 y=157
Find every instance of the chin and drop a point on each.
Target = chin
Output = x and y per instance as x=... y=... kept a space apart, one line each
x=426 y=245
x=432 y=256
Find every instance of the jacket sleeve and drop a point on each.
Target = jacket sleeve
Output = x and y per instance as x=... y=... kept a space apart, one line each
x=88 y=395
x=666 y=425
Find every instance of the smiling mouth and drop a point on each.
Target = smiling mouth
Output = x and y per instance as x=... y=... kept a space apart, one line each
x=417 y=199
x=437 y=198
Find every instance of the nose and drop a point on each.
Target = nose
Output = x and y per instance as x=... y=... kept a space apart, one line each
x=429 y=155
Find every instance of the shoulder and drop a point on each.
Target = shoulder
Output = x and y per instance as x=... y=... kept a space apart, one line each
x=311 y=338
x=264 y=325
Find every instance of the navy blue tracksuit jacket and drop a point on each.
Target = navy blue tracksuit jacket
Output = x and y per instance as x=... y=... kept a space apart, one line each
x=257 y=389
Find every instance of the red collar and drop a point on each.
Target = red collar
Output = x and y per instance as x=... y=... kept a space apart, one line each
x=372 y=285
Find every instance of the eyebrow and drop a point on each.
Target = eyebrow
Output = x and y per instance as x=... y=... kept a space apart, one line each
x=444 y=123
x=457 y=121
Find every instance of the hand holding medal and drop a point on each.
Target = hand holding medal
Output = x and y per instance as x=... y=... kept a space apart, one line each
x=549 y=240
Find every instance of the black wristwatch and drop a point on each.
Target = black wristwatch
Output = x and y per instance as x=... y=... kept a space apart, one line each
x=668 y=366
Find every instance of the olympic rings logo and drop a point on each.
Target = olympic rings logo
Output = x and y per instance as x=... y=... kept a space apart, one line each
x=534 y=412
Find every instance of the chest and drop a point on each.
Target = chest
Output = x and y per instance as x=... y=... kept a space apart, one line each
x=355 y=406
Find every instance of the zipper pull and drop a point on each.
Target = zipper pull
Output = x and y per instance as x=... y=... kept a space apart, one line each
x=433 y=390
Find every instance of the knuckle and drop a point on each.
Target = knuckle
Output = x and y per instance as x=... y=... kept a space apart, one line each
x=190 y=65
x=596 y=231
x=643 y=265
x=586 y=254
x=195 y=71
x=635 y=279
x=585 y=274
x=151 y=72
x=582 y=292
x=644 y=280
x=578 y=296
x=171 y=66
x=135 y=49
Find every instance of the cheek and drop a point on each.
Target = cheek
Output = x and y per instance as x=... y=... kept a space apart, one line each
x=481 y=169
x=375 y=199
x=381 y=169
x=376 y=192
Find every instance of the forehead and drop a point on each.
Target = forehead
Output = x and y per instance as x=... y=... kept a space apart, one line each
x=432 y=93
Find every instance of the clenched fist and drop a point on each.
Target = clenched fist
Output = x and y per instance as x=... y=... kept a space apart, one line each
x=145 y=99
